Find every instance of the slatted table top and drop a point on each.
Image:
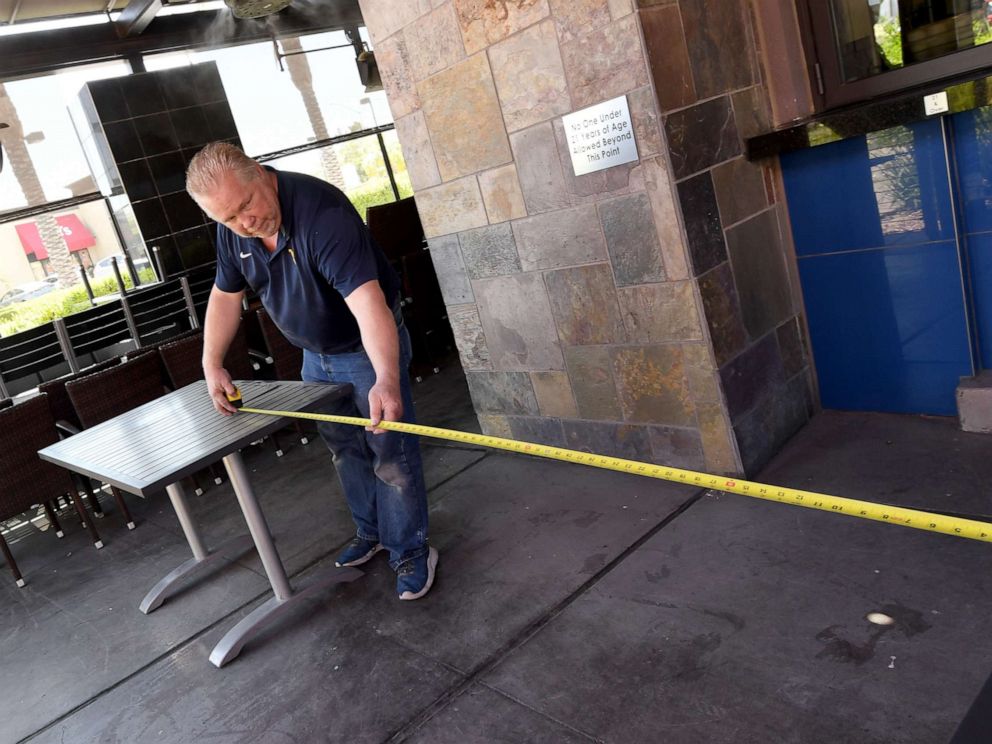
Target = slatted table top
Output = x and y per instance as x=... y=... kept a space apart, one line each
x=161 y=442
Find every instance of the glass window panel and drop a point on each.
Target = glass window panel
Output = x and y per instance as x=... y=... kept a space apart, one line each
x=338 y=87
x=395 y=154
x=26 y=298
x=44 y=156
x=355 y=167
x=317 y=95
x=875 y=36
x=255 y=89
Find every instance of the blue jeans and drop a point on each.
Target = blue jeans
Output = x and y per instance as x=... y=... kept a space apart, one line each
x=382 y=474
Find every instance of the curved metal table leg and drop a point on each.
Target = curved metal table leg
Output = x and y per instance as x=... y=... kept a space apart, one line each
x=270 y=612
x=227 y=551
x=201 y=556
x=276 y=607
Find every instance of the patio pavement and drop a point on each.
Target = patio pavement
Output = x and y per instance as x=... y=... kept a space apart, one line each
x=571 y=605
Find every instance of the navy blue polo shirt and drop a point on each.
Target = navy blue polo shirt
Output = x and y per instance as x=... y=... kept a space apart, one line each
x=324 y=252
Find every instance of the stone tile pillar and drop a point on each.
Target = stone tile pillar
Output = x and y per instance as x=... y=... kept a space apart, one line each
x=712 y=92
x=596 y=312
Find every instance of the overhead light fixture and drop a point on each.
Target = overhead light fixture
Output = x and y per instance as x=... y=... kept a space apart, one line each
x=256 y=8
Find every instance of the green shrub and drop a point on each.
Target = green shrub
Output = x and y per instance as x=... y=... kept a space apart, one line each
x=370 y=195
x=889 y=40
x=22 y=316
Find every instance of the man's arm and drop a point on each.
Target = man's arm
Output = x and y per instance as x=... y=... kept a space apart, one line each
x=381 y=342
x=222 y=321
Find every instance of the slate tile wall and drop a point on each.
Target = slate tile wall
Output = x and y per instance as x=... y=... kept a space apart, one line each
x=626 y=311
x=149 y=126
x=708 y=75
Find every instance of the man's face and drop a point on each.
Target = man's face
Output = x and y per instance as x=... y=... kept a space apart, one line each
x=249 y=208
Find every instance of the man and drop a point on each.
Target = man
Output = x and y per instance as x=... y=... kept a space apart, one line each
x=301 y=246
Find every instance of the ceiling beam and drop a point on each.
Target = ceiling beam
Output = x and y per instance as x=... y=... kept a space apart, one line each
x=24 y=55
x=136 y=16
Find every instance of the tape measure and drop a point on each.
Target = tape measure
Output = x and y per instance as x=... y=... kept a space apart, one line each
x=898 y=515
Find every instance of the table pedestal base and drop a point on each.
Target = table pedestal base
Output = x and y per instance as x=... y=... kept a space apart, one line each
x=270 y=612
x=229 y=550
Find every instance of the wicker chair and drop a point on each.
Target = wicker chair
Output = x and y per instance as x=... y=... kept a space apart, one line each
x=58 y=399
x=66 y=420
x=287 y=360
x=182 y=361
x=26 y=479
x=103 y=395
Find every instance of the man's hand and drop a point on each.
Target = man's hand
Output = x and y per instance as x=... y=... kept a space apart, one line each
x=219 y=385
x=385 y=403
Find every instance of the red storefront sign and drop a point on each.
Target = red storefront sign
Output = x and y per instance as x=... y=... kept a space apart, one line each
x=74 y=233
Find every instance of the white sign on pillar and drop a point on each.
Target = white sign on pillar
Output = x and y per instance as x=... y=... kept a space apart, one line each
x=600 y=136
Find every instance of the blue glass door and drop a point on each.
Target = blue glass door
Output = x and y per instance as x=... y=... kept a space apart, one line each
x=971 y=156
x=881 y=266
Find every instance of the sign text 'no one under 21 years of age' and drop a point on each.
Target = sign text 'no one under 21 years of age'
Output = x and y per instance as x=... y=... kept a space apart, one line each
x=600 y=136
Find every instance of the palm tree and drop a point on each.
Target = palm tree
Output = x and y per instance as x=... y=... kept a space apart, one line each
x=20 y=163
x=299 y=73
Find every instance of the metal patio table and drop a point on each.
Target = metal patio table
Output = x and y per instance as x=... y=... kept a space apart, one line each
x=159 y=443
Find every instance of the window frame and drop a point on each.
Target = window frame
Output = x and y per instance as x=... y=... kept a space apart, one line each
x=829 y=89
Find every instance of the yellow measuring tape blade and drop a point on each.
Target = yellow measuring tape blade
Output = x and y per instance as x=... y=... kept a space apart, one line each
x=920 y=520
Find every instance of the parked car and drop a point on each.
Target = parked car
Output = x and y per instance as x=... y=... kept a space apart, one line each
x=28 y=291
x=104 y=267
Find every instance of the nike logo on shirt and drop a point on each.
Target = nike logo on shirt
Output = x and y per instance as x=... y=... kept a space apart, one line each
x=245 y=255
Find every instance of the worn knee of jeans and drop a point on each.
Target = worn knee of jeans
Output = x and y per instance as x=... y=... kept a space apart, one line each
x=392 y=468
x=341 y=440
x=394 y=472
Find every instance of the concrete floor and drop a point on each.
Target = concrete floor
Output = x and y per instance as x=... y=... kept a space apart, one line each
x=571 y=605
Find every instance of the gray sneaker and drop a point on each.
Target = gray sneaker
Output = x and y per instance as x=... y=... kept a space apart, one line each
x=414 y=578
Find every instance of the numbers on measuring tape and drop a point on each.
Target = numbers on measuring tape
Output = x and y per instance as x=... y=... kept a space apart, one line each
x=947 y=525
